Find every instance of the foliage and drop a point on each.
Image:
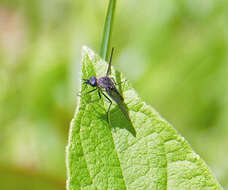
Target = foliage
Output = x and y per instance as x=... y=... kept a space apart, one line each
x=146 y=153
x=174 y=53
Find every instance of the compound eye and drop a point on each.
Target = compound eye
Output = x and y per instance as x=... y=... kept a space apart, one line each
x=93 y=81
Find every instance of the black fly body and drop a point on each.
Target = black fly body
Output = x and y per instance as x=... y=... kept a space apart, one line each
x=106 y=85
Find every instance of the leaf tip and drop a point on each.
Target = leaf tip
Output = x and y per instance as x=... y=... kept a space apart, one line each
x=87 y=51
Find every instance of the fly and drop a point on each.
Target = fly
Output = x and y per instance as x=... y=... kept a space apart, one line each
x=107 y=84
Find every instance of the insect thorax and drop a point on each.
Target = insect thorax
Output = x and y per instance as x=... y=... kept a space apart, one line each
x=105 y=83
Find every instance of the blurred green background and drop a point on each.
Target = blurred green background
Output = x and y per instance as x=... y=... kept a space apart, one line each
x=178 y=55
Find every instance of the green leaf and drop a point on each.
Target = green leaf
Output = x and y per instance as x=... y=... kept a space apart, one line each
x=146 y=153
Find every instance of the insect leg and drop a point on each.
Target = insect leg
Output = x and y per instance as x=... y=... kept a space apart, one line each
x=121 y=82
x=79 y=94
x=91 y=91
x=89 y=102
x=99 y=94
x=118 y=82
x=113 y=80
x=108 y=116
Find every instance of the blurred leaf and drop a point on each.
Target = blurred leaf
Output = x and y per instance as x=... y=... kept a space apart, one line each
x=145 y=154
x=27 y=179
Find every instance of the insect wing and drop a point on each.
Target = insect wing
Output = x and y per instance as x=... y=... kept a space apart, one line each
x=116 y=96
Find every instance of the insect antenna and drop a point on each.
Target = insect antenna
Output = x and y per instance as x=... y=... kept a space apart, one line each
x=109 y=64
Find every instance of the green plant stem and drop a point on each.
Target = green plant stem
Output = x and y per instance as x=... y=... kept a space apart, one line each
x=108 y=29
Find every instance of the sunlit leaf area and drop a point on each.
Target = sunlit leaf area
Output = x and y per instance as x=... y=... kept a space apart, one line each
x=140 y=151
x=175 y=53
